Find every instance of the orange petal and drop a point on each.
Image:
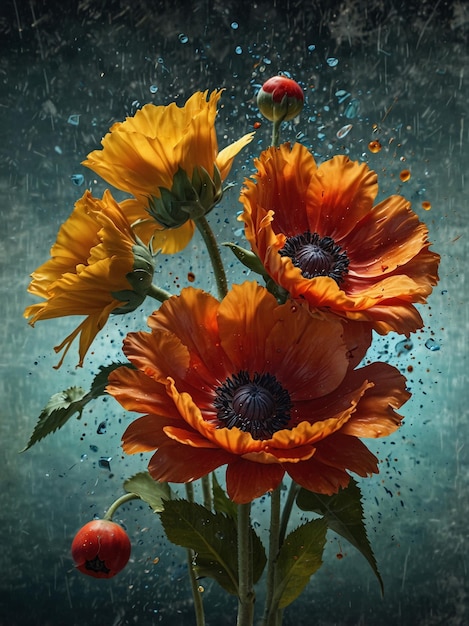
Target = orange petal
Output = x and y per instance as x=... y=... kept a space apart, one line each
x=145 y=434
x=375 y=415
x=344 y=452
x=178 y=463
x=341 y=193
x=246 y=481
x=135 y=391
x=317 y=477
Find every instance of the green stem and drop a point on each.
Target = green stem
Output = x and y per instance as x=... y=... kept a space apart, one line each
x=276 y=133
x=198 y=604
x=207 y=491
x=292 y=493
x=246 y=595
x=215 y=257
x=119 y=502
x=158 y=294
x=270 y=611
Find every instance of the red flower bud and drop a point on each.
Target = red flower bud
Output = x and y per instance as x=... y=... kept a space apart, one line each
x=101 y=549
x=280 y=99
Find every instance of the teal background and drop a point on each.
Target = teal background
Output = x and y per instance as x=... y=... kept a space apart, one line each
x=404 y=66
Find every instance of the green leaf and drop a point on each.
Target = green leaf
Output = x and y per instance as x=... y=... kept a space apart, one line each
x=221 y=502
x=248 y=259
x=299 y=558
x=213 y=537
x=98 y=386
x=343 y=513
x=65 y=404
x=60 y=408
x=148 y=490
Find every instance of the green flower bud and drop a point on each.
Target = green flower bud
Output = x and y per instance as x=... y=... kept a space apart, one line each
x=280 y=99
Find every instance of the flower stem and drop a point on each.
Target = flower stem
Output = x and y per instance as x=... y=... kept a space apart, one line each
x=215 y=257
x=158 y=294
x=198 y=604
x=276 y=133
x=119 y=502
x=292 y=493
x=245 y=586
x=270 y=612
x=207 y=491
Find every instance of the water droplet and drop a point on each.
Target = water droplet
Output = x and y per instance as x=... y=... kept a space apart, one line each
x=332 y=61
x=238 y=50
x=311 y=47
x=344 y=131
x=234 y=25
x=83 y=457
x=183 y=38
x=153 y=88
x=404 y=346
x=58 y=149
x=105 y=462
x=352 y=109
x=432 y=345
x=404 y=175
x=101 y=428
x=374 y=146
x=77 y=179
x=74 y=119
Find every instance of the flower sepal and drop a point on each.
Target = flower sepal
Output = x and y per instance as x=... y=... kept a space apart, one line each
x=140 y=279
x=187 y=198
x=248 y=258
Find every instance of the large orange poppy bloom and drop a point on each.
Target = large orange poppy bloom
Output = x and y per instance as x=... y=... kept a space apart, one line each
x=319 y=237
x=97 y=267
x=260 y=387
x=167 y=158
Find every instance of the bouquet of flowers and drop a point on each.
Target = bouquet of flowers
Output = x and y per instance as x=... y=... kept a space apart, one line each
x=268 y=378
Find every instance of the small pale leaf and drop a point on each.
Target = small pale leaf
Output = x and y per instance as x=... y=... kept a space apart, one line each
x=299 y=558
x=148 y=490
x=343 y=513
x=60 y=408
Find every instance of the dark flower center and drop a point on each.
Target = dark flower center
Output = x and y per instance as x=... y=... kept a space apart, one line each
x=316 y=256
x=258 y=405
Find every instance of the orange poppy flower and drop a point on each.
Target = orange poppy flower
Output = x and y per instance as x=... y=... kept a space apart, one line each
x=318 y=235
x=97 y=267
x=167 y=157
x=258 y=386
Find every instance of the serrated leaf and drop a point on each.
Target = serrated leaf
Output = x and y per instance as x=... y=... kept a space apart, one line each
x=299 y=558
x=221 y=502
x=148 y=490
x=344 y=515
x=98 y=386
x=60 y=408
x=213 y=538
x=65 y=404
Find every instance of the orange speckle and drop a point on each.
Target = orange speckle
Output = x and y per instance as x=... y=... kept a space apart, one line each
x=339 y=555
x=190 y=277
x=374 y=146
x=256 y=125
x=426 y=205
x=404 y=175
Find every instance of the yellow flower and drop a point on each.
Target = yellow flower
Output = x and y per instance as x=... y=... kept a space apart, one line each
x=97 y=267
x=167 y=158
